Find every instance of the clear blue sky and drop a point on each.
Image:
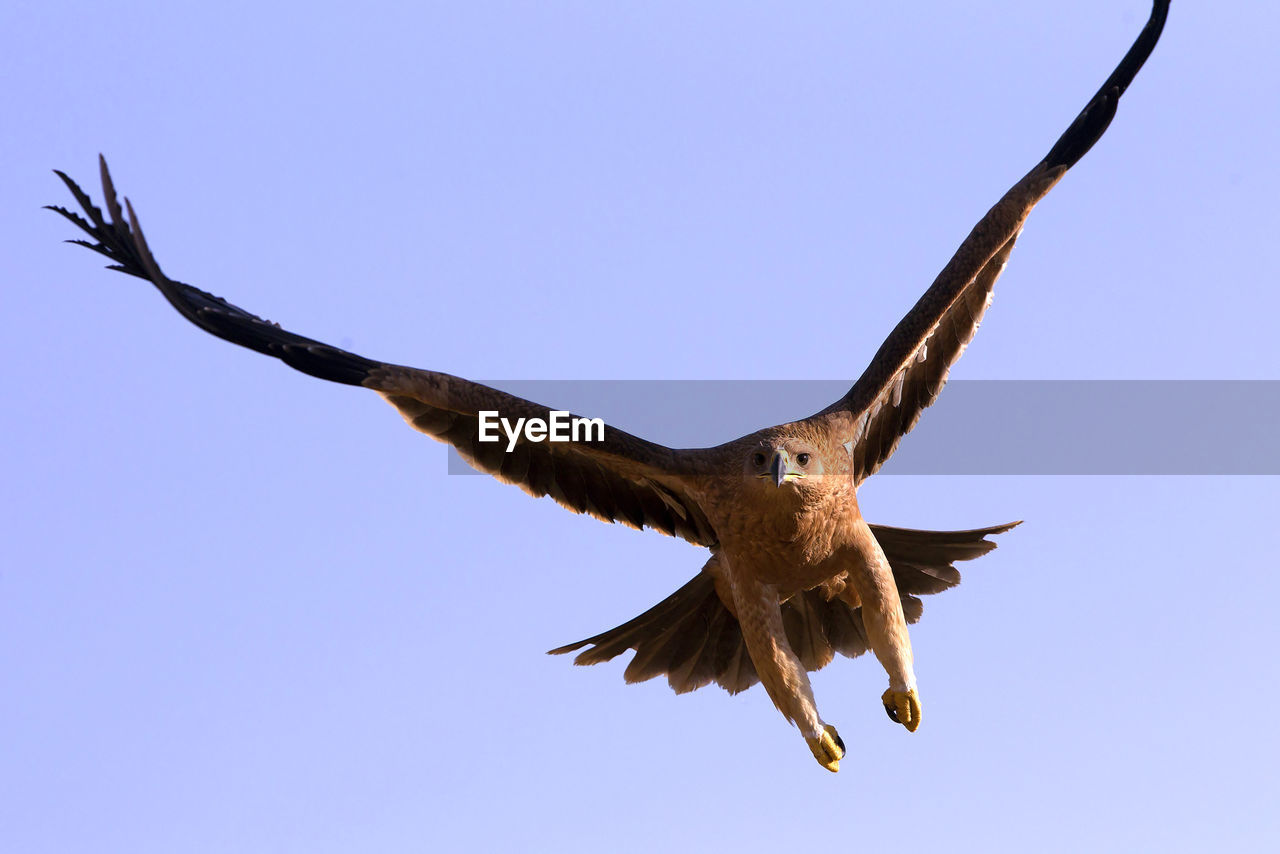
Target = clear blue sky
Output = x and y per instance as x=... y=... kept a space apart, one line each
x=244 y=610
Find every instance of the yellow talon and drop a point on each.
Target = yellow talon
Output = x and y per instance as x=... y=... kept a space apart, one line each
x=827 y=748
x=903 y=708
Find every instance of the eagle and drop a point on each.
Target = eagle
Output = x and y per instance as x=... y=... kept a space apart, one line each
x=794 y=574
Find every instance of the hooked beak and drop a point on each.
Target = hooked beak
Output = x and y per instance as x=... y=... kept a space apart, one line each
x=778 y=467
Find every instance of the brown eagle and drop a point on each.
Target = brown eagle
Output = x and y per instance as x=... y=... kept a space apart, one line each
x=795 y=574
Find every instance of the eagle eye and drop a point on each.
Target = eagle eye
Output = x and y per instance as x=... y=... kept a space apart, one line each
x=802 y=459
x=757 y=459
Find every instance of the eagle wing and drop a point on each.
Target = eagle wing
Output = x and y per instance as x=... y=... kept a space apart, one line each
x=909 y=370
x=617 y=478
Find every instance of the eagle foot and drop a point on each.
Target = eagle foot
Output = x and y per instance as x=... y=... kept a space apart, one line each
x=903 y=708
x=827 y=748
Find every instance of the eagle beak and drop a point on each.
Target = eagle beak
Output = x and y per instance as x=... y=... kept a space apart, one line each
x=778 y=467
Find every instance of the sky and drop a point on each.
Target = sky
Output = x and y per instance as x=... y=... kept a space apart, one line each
x=243 y=609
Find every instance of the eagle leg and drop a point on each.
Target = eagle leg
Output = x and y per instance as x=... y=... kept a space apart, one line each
x=780 y=669
x=872 y=581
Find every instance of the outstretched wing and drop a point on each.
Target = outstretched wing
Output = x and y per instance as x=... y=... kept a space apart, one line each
x=910 y=368
x=619 y=478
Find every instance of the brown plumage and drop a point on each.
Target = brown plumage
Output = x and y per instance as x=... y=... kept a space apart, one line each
x=795 y=575
x=817 y=625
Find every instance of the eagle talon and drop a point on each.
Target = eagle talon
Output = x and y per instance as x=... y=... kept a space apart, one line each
x=827 y=748
x=903 y=707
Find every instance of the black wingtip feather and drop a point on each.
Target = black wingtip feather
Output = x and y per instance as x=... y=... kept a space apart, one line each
x=1094 y=119
x=120 y=239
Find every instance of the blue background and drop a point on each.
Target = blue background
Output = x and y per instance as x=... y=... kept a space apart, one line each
x=241 y=609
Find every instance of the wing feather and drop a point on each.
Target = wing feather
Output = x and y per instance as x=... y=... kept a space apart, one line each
x=910 y=368
x=621 y=478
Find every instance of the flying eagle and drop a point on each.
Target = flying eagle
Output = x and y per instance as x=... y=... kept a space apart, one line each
x=794 y=573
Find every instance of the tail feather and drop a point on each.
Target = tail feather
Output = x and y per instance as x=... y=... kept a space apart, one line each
x=693 y=639
x=846 y=633
x=923 y=561
x=610 y=644
x=803 y=619
x=701 y=667
x=739 y=672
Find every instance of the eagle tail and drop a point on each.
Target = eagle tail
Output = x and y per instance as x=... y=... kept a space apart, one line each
x=693 y=639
